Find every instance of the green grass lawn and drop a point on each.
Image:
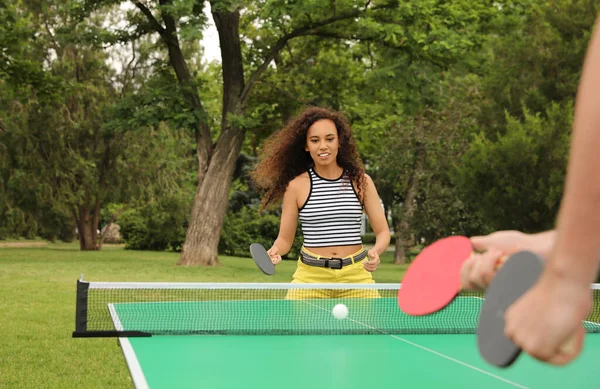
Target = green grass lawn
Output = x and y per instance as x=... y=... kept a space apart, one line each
x=37 y=289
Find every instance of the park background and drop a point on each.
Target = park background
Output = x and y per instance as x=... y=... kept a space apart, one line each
x=128 y=130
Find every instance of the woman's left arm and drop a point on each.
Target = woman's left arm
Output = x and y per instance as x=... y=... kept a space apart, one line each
x=376 y=215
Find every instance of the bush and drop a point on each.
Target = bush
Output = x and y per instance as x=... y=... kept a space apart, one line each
x=516 y=180
x=15 y=223
x=49 y=224
x=247 y=226
x=157 y=226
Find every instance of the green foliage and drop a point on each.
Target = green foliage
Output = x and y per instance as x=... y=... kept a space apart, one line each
x=535 y=58
x=416 y=77
x=78 y=147
x=247 y=226
x=416 y=153
x=524 y=60
x=441 y=212
x=22 y=59
x=243 y=224
x=156 y=226
x=15 y=223
x=162 y=225
x=517 y=181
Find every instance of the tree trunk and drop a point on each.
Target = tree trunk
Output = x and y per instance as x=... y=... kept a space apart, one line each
x=402 y=228
x=87 y=224
x=212 y=197
x=210 y=205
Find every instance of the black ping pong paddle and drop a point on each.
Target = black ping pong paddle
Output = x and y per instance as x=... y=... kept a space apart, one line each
x=262 y=258
x=518 y=274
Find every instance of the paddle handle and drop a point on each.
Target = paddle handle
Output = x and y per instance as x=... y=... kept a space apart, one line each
x=500 y=261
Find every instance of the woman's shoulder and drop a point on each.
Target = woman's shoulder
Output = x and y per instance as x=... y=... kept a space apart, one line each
x=299 y=181
x=298 y=188
x=368 y=178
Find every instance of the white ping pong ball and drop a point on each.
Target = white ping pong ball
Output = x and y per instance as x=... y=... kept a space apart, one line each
x=340 y=311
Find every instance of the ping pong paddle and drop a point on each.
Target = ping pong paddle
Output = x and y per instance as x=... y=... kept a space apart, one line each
x=262 y=258
x=432 y=280
x=519 y=273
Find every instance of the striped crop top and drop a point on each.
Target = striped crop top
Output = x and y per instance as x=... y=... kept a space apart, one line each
x=331 y=216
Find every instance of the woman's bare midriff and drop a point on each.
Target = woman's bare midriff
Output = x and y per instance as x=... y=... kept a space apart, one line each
x=335 y=251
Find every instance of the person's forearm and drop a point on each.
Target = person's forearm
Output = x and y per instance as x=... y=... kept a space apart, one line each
x=577 y=250
x=283 y=246
x=382 y=241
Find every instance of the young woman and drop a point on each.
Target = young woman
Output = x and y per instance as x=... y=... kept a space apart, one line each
x=312 y=166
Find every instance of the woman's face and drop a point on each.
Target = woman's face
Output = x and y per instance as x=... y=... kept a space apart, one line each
x=322 y=142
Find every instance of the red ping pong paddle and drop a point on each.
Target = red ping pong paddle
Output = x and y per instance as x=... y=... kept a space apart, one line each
x=432 y=280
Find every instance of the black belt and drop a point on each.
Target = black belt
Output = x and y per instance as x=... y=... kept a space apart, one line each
x=332 y=263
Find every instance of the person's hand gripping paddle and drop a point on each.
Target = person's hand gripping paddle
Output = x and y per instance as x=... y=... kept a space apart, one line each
x=432 y=280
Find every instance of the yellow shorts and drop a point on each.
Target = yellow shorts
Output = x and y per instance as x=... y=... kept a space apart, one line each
x=354 y=273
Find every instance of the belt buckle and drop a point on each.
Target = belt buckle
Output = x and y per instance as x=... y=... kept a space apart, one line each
x=341 y=264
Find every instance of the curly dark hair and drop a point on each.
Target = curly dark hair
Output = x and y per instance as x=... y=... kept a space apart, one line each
x=284 y=156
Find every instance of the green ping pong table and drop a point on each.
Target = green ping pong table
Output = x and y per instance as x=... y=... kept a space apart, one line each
x=236 y=337
x=340 y=361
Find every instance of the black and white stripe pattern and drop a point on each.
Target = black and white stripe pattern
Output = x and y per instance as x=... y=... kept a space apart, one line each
x=332 y=213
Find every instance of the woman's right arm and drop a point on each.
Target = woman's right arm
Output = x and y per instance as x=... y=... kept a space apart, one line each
x=288 y=223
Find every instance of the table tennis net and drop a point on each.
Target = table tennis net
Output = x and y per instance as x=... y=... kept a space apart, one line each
x=146 y=309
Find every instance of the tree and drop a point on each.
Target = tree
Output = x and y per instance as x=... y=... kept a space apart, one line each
x=68 y=156
x=416 y=115
x=415 y=166
x=517 y=179
x=514 y=169
x=217 y=154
